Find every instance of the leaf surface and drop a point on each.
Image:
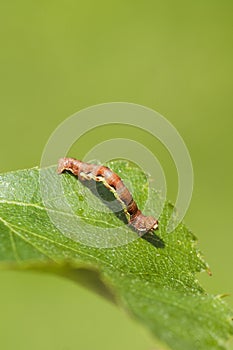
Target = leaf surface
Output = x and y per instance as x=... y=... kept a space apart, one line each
x=57 y=224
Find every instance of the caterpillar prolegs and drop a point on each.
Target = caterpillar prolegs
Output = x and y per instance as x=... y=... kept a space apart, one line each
x=86 y=171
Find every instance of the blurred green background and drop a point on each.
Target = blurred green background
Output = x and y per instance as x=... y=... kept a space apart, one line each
x=58 y=57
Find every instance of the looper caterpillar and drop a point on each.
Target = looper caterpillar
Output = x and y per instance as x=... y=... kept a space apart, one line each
x=86 y=171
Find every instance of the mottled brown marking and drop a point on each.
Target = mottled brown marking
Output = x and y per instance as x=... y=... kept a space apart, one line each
x=86 y=171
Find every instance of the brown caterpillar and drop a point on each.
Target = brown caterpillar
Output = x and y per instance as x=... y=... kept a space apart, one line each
x=86 y=171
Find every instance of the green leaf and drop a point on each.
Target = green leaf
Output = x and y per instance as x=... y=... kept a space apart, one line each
x=57 y=224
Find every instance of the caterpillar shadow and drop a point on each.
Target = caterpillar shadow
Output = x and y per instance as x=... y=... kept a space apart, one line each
x=107 y=197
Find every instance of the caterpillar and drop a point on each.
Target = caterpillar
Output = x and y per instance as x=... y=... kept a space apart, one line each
x=86 y=171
